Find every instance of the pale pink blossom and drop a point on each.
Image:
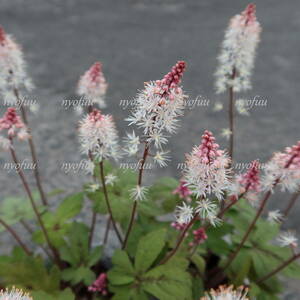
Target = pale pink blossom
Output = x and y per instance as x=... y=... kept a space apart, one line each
x=93 y=86
x=12 y=123
x=183 y=191
x=13 y=73
x=178 y=226
x=99 y=285
x=199 y=236
x=251 y=179
x=284 y=170
x=159 y=105
x=14 y=294
x=207 y=169
x=98 y=136
x=226 y=293
x=237 y=56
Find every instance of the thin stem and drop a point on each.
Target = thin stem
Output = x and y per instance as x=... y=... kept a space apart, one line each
x=250 y=228
x=231 y=117
x=258 y=214
x=108 y=203
x=179 y=242
x=35 y=209
x=278 y=269
x=16 y=237
x=92 y=230
x=291 y=204
x=106 y=234
x=134 y=207
x=33 y=152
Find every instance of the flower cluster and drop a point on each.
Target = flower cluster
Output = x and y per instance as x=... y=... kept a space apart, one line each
x=199 y=237
x=251 y=180
x=238 y=52
x=156 y=111
x=183 y=191
x=14 y=294
x=207 y=169
x=98 y=136
x=226 y=293
x=12 y=68
x=100 y=285
x=283 y=169
x=287 y=239
x=12 y=123
x=93 y=85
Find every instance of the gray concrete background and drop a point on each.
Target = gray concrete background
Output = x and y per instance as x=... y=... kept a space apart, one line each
x=137 y=41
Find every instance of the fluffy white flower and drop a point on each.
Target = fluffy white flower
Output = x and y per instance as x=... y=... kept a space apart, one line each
x=207 y=168
x=138 y=193
x=110 y=179
x=89 y=167
x=241 y=107
x=283 y=170
x=14 y=294
x=93 y=85
x=13 y=73
x=132 y=142
x=226 y=133
x=287 y=239
x=4 y=143
x=98 y=136
x=238 y=52
x=218 y=106
x=161 y=158
x=184 y=214
x=158 y=106
x=93 y=187
x=275 y=216
x=206 y=209
x=226 y=293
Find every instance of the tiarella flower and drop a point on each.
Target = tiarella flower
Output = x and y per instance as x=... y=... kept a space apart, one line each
x=12 y=67
x=218 y=106
x=11 y=123
x=161 y=158
x=14 y=294
x=183 y=191
x=287 y=239
x=207 y=169
x=178 y=226
x=275 y=216
x=139 y=193
x=237 y=56
x=93 y=187
x=199 y=237
x=110 y=179
x=208 y=210
x=98 y=136
x=159 y=105
x=184 y=213
x=4 y=143
x=284 y=170
x=226 y=133
x=241 y=107
x=93 y=86
x=226 y=293
x=132 y=143
x=99 y=285
x=251 y=179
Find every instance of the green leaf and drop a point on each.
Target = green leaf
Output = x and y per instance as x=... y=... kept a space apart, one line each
x=63 y=295
x=70 y=207
x=168 y=282
x=148 y=249
x=199 y=262
x=77 y=275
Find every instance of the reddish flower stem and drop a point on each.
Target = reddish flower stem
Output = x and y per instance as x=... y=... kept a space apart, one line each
x=179 y=242
x=133 y=212
x=102 y=178
x=16 y=237
x=35 y=209
x=33 y=152
x=278 y=269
